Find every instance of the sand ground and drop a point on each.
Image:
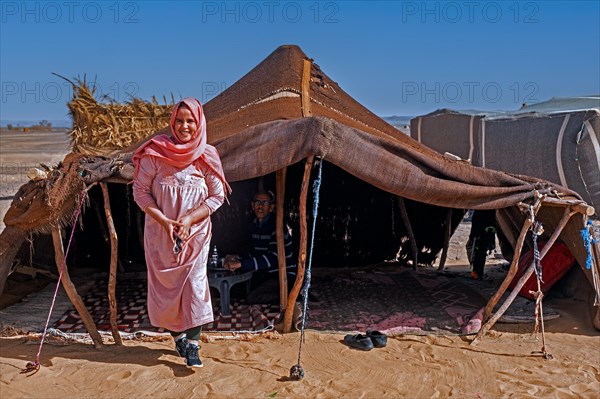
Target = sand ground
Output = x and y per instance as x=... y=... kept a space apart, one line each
x=504 y=364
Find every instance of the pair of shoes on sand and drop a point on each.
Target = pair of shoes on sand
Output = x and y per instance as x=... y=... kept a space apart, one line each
x=371 y=339
x=189 y=351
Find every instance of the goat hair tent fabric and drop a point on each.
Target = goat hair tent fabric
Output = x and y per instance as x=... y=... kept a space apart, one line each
x=287 y=109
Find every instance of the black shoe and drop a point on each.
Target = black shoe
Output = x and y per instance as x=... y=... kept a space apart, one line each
x=181 y=346
x=358 y=341
x=379 y=339
x=191 y=356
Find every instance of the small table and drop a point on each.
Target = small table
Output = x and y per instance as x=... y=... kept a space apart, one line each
x=222 y=280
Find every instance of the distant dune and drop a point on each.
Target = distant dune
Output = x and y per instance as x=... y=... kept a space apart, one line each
x=58 y=123
x=401 y=122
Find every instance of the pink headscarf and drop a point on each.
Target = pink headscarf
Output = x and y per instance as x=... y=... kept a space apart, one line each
x=181 y=155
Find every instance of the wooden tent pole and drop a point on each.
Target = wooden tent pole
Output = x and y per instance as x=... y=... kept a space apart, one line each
x=114 y=254
x=595 y=257
x=283 y=285
x=293 y=295
x=409 y=230
x=289 y=311
x=576 y=206
x=86 y=318
x=518 y=247
x=305 y=95
x=490 y=323
x=447 y=234
x=514 y=266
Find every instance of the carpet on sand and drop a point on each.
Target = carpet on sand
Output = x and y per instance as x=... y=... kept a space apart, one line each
x=402 y=302
x=132 y=314
x=399 y=302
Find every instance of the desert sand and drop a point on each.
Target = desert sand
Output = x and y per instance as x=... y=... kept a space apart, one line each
x=501 y=366
x=505 y=364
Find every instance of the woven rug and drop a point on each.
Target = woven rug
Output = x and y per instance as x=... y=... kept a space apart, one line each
x=403 y=302
x=132 y=314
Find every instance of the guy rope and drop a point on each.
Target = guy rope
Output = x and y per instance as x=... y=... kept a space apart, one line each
x=297 y=372
x=33 y=367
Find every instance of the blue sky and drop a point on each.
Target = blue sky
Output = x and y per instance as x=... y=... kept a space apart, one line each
x=395 y=57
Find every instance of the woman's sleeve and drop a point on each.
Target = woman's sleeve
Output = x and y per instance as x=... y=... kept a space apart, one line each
x=142 y=183
x=216 y=194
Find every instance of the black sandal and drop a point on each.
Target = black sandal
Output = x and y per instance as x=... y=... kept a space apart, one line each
x=358 y=341
x=379 y=339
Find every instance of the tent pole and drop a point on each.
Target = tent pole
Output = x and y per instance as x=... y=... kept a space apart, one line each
x=409 y=230
x=86 y=318
x=114 y=254
x=595 y=259
x=283 y=287
x=577 y=206
x=305 y=96
x=289 y=311
x=447 y=233
x=293 y=295
x=490 y=323
x=514 y=265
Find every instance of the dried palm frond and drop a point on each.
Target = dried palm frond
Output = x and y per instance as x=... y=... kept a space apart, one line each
x=104 y=128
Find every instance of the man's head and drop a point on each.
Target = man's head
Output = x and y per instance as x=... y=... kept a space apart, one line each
x=262 y=204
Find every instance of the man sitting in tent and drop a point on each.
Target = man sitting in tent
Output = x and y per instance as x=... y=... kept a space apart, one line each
x=263 y=258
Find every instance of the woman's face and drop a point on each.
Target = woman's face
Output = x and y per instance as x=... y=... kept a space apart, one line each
x=185 y=124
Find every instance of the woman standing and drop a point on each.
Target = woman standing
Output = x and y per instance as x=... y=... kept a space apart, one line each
x=179 y=183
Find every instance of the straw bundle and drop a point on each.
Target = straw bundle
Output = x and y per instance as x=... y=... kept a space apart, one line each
x=105 y=128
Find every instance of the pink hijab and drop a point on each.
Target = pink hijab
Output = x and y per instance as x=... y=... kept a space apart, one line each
x=181 y=155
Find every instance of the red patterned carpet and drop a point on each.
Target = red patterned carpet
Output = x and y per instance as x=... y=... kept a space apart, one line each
x=132 y=313
x=401 y=302
x=422 y=302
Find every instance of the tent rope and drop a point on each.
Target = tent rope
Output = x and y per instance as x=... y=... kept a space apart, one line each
x=297 y=372
x=589 y=238
x=537 y=230
x=33 y=367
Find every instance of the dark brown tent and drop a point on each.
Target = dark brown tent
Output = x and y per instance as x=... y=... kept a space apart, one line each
x=286 y=111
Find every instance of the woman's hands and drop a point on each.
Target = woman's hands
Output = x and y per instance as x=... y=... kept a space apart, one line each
x=184 y=227
x=185 y=223
x=181 y=228
x=170 y=225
